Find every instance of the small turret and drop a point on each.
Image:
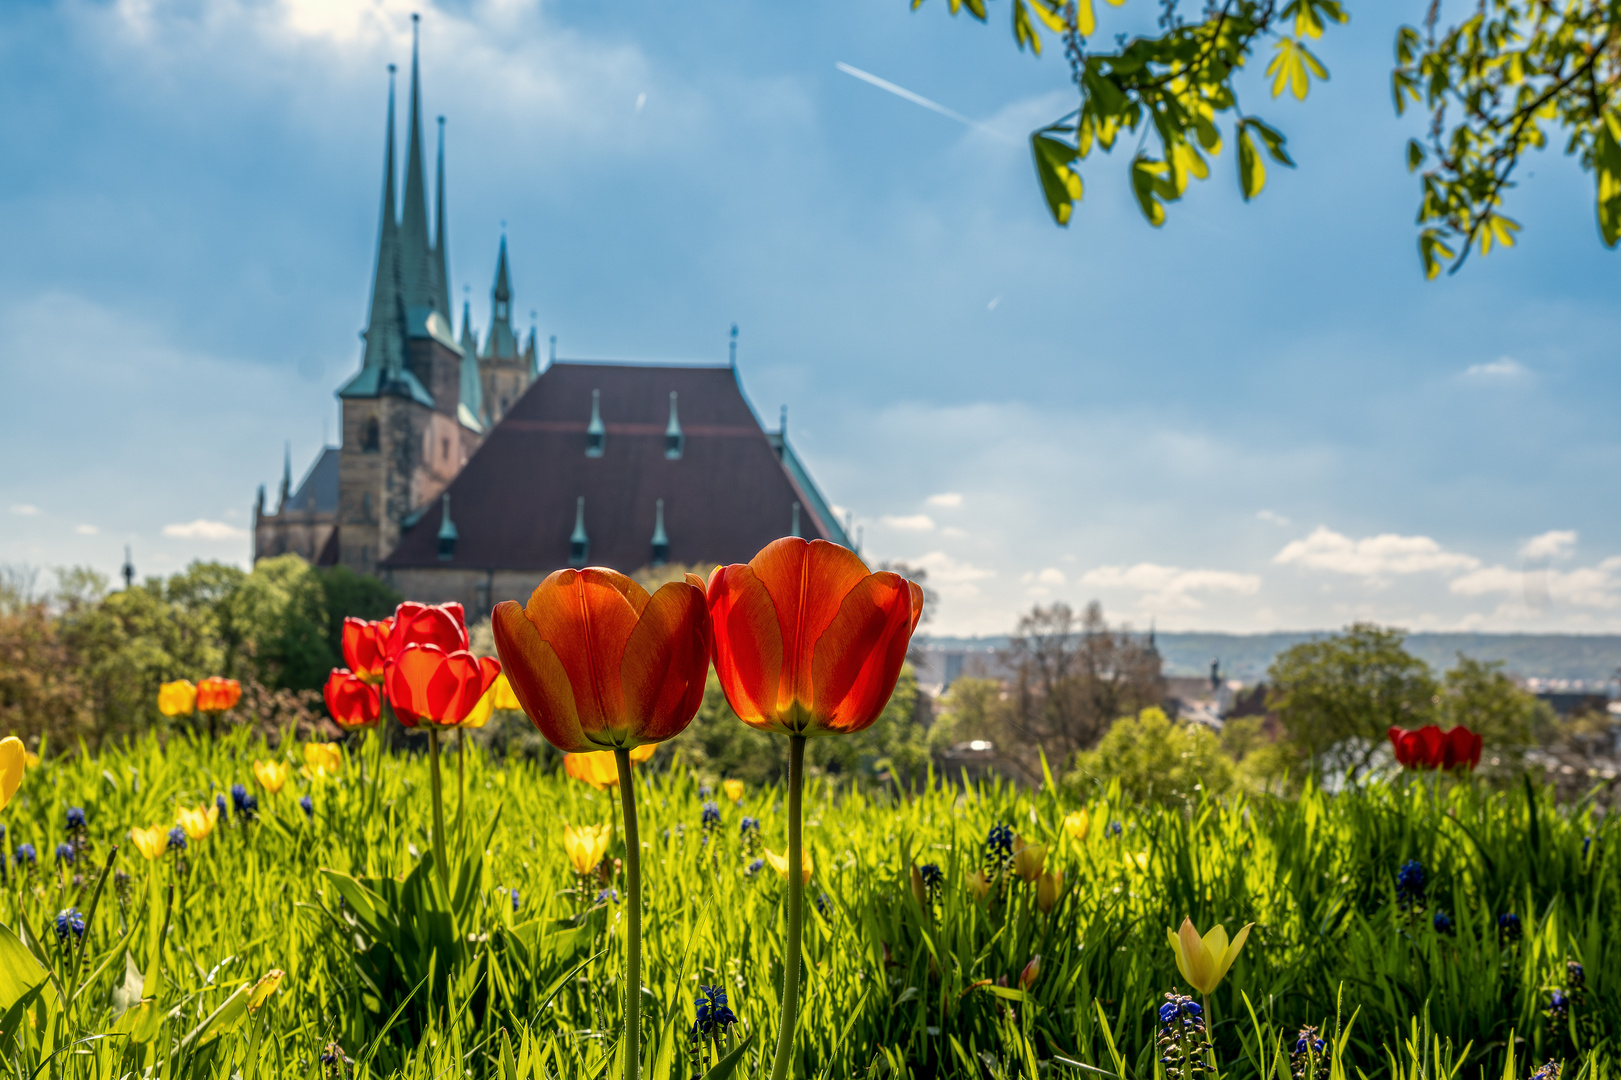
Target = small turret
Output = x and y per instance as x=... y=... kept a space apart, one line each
x=674 y=440
x=501 y=344
x=447 y=531
x=286 y=478
x=795 y=530
x=596 y=434
x=579 y=544
x=128 y=570
x=661 y=541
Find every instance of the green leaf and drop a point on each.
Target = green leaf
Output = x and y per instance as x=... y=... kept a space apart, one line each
x=1293 y=67
x=1415 y=154
x=728 y=1064
x=1251 y=169
x=1433 y=251
x=1060 y=183
x=1024 y=31
x=20 y=973
x=1147 y=175
x=1274 y=140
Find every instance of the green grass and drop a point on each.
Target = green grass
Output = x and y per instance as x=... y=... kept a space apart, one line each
x=467 y=985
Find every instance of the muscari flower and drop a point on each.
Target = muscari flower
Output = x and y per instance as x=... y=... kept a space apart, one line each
x=306 y=804
x=931 y=875
x=177 y=839
x=220 y=808
x=246 y=805
x=754 y=867
x=515 y=901
x=1558 y=1006
x=1508 y=928
x=704 y=790
x=1114 y=828
x=1410 y=882
x=711 y=815
x=1549 y=1071
x=1443 y=923
x=1182 y=1043
x=999 y=844
x=608 y=896
x=25 y=854
x=69 y=923
x=75 y=818
x=1575 y=976
x=749 y=825
x=1308 y=1041
x=64 y=853
x=712 y=1014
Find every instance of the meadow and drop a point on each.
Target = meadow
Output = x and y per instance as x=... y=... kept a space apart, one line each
x=1449 y=972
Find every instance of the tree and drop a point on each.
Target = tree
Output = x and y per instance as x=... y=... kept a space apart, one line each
x=347 y=593
x=1496 y=85
x=1338 y=696
x=279 y=617
x=1508 y=718
x=1156 y=760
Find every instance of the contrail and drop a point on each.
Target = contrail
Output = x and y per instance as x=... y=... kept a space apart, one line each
x=916 y=99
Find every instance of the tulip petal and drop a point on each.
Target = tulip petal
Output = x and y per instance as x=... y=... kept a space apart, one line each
x=748 y=644
x=1201 y=966
x=538 y=679
x=807 y=583
x=859 y=655
x=13 y=760
x=1181 y=955
x=587 y=617
x=666 y=663
x=1230 y=952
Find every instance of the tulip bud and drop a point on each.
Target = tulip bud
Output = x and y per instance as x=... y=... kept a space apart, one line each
x=1048 y=888
x=919 y=892
x=1028 y=859
x=979 y=884
x=1077 y=825
x=1031 y=972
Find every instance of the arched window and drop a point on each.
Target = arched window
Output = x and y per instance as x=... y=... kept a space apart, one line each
x=371 y=437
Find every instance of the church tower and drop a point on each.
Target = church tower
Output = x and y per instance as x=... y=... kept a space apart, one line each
x=506 y=369
x=410 y=417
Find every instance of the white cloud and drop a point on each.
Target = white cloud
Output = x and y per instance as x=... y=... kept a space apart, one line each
x=1587 y=586
x=24 y=510
x=204 y=530
x=1051 y=576
x=1503 y=369
x=86 y=530
x=1374 y=556
x=954 y=532
x=909 y=522
x=1272 y=517
x=1555 y=544
x=1171 y=588
x=950 y=500
x=954 y=579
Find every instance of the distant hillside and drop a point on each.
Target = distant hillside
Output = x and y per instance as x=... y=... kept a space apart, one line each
x=1588 y=657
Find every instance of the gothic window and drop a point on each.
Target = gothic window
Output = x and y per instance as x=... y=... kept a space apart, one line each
x=371 y=436
x=444 y=449
x=365 y=505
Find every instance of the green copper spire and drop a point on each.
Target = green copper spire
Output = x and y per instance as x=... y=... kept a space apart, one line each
x=661 y=539
x=415 y=254
x=502 y=344
x=438 y=265
x=385 y=345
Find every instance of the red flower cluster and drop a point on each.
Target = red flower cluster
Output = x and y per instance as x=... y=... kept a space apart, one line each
x=1431 y=748
x=418 y=659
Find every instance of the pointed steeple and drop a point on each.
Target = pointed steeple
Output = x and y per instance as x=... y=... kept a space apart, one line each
x=661 y=540
x=469 y=341
x=415 y=253
x=286 y=477
x=502 y=344
x=447 y=531
x=596 y=435
x=795 y=530
x=439 y=264
x=674 y=440
x=385 y=345
x=579 y=544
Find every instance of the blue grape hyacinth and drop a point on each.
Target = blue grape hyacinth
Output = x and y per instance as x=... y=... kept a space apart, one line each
x=1410 y=883
x=1509 y=929
x=1443 y=923
x=69 y=923
x=65 y=853
x=75 y=818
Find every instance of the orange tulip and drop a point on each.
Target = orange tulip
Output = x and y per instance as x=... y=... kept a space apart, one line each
x=807 y=642
x=598 y=768
x=427 y=685
x=365 y=647
x=215 y=694
x=444 y=625
x=352 y=702
x=598 y=664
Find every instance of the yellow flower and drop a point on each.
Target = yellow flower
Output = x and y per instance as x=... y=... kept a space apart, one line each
x=151 y=842
x=979 y=884
x=270 y=774
x=178 y=698
x=482 y=710
x=733 y=789
x=13 y=760
x=266 y=986
x=30 y=758
x=1203 y=961
x=586 y=845
x=1077 y=825
x=505 y=699
x=779 y=863
x=323 y=759
x=1048 y=888
x=198 y=821
x=1028 y=859
x=598 y=767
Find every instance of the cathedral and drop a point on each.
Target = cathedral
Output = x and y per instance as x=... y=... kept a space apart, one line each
x=468 y=471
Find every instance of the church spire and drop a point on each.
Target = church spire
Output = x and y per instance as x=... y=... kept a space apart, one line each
x=415 y=254
x=384 y=346
x=439 y=264
x=501 y=344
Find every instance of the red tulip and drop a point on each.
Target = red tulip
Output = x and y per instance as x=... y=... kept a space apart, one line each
x=1462 y=748
x=427 y=685
x=365 y=647
x=598 y=664
x=443 y=625
x=1430 y=748
x=215 y=694
x=353 y=702
x=807 y=642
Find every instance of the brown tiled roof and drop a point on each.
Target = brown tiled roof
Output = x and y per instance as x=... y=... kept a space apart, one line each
x=513 y=504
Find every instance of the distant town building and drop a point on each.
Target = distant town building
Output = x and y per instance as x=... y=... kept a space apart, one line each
x=468 y=471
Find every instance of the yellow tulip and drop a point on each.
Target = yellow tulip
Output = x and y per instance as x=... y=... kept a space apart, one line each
x=979 y=884
x=323 y=759
x=1048 y=888
x=13 y=760
x=481 y=710
x=266 y=986
x=151 y=842
x=1204 y=961
x=598 y=767
x=178 y=698
x=586 y=845
x=1028 y=859
x=733 y=789
x=198 y=821
x=270 y=774
x=30 y=758
x=779 y=863
x=505 y=699
x=1077 y=825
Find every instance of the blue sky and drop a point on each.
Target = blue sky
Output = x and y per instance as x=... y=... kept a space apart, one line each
x=1257 y=417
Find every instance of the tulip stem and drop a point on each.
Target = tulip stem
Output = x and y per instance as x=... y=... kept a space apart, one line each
x=631 y=1045
x=443 y=863
x=796 y=906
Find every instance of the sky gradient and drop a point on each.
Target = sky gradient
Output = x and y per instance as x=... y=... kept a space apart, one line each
x=1257 y=417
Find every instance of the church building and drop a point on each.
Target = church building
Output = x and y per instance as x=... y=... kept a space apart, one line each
x=469 y=471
